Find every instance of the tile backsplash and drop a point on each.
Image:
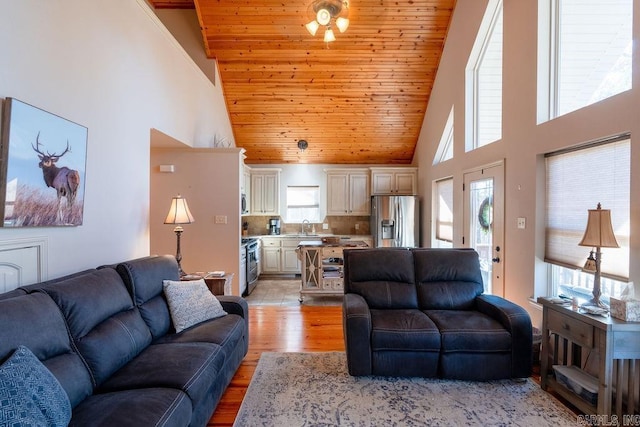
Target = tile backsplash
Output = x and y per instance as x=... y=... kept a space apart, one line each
x=257 y=225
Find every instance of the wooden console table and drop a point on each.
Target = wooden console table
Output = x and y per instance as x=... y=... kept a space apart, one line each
x=618 y=344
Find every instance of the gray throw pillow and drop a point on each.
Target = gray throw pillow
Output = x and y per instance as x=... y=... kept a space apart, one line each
x=29 y=393
x=191 y=302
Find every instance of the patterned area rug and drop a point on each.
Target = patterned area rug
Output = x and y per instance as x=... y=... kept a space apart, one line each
x=314 y=389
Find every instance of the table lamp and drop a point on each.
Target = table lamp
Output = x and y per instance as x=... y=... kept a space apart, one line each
x=599 y=234
x=179 y=214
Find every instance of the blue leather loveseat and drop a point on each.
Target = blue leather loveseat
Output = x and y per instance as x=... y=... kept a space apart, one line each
x=107 y=336
x=422 y=312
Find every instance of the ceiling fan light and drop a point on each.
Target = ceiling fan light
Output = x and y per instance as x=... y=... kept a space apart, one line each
x=323 y=16
x=312 y=27
x=342 y=24
x=329 y=36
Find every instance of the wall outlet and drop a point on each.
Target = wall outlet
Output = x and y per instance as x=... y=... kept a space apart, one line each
x=357 y=226
x=522 y=223
x=221 y=219
x=325 y=226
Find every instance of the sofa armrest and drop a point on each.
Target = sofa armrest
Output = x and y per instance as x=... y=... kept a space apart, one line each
x=234 y=305
x=356 y=322
x=517 y=321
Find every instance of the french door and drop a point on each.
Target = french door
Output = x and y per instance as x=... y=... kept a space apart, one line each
x=484 y=222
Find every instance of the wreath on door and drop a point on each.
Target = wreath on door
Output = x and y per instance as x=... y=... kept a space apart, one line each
x=485 y=214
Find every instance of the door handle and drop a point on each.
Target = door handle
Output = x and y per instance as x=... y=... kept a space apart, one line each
x=496 y=259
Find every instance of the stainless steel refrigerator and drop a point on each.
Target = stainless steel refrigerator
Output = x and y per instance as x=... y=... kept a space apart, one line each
x=395 y=221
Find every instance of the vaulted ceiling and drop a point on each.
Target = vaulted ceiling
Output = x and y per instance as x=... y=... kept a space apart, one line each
x=360 y=99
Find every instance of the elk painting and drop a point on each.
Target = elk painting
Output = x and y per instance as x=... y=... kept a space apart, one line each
x=64 y=180
x=42 y=168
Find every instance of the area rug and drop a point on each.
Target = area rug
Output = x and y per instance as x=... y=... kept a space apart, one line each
x=314 y=389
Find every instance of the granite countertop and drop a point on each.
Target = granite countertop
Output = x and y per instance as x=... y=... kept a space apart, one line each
x=349 y=243
x=310 y=237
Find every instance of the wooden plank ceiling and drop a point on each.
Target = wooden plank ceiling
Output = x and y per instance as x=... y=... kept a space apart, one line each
x=360 y=99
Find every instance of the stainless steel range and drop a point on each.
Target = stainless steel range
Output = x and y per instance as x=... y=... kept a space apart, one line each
x=253 y=262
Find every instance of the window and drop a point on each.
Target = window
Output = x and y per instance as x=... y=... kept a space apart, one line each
x=445 y=148
x=576 y=181
x=443 y=213
x=484 y=81
x=586 y=53
x=303 y=202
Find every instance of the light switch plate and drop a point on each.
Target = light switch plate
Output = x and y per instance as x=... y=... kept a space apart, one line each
x=325 y=226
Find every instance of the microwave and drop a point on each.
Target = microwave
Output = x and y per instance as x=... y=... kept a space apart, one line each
x=244 y=208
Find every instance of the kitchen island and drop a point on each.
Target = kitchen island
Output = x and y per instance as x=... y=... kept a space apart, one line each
x=322 y=266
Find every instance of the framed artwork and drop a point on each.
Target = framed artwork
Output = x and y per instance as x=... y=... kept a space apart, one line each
x=42 y=167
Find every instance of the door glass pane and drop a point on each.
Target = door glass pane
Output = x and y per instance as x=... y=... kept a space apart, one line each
x=481 y=226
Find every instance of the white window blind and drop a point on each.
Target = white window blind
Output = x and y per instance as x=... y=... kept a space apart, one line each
x=444 y=210
x=576 y=181
x=303 y=202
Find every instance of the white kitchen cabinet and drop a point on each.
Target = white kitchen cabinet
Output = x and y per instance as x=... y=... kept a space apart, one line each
x=396 y=181
x=265 y=192
x=289 y=262
x=348 y=192
x=270 y=255
x=246 y=181
x=279 y=255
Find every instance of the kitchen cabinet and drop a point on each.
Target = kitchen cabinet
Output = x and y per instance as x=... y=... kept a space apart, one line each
x=395 y=181
x=279 y=255
x=265 y=192
x=270 y=255
x=348 y=192
x=289 y=262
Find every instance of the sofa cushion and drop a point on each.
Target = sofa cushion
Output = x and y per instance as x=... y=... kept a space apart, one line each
x=191 y=302
x=30 y=394
x=144 y=277
x=108 y=331
x=190 y=367
x=162 y=407
x=225 y=331
x=447 y=278
x=470 y=331
x=36 y=322
x=382 y=276
x=403 y=330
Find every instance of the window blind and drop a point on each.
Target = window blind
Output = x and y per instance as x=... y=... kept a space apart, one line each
x=444 y=210
x=576 y=181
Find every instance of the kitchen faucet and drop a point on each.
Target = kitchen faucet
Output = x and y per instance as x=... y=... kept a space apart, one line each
x=302 y=229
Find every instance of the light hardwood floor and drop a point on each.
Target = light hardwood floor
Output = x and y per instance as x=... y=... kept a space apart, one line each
x=293 y=328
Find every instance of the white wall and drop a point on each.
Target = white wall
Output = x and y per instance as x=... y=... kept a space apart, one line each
x=523 y=142
x=112 y=67
x=209 y=179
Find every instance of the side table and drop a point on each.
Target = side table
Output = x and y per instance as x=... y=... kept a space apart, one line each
x=218 y=285
x=618 y=345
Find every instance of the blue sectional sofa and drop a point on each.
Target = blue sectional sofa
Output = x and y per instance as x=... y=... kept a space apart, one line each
x=422 y=312
x=106 y=335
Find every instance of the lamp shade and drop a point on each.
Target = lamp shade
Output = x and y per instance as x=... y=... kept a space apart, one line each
x=312 y=27
x=179 y=212
x=342 y=24
x=329 y=36
x=599 y=232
